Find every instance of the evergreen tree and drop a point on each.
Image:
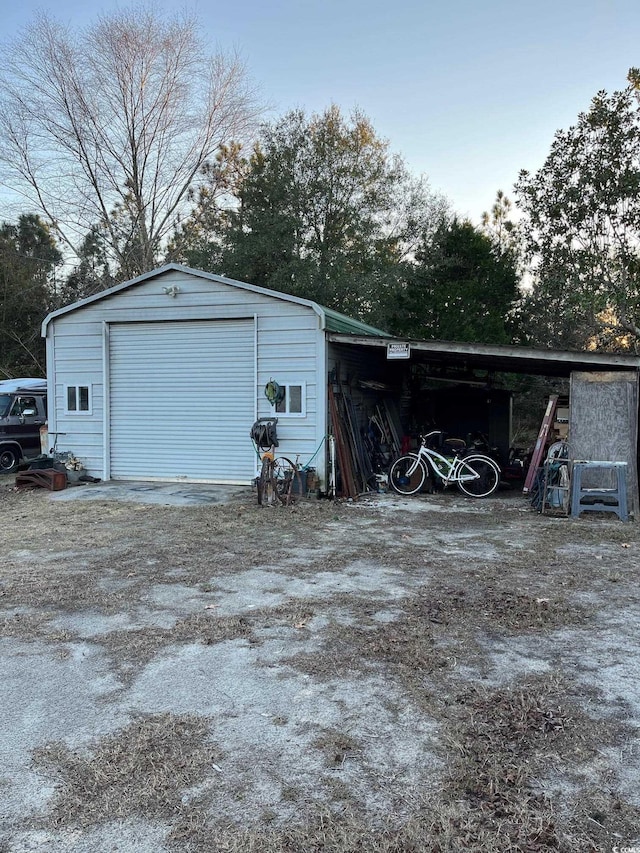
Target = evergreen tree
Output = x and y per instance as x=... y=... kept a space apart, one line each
x=582 y=228
x=323 y=211
x=461 y=288
x=28 y=261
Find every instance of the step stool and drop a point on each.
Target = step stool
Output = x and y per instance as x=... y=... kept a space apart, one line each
x=601 y=498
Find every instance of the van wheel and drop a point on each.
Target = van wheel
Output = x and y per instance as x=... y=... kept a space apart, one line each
x=8 y=460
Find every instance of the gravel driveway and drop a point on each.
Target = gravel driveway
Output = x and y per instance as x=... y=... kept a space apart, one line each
x=392 y=674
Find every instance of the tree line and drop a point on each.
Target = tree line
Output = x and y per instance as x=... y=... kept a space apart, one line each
x=128 y=144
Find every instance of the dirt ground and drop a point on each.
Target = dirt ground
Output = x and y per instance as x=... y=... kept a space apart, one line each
x=421 y=674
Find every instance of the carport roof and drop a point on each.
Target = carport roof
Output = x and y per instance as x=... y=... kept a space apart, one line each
x=498 y=359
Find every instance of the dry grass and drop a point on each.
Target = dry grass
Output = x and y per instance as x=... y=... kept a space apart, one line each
x=496 y=741
x=141 y=770
x=494 y=608
x=496 y=744
x=30 y=625
x=132 y=650
x=411 y=645
x=435 y=829
x=336 y=746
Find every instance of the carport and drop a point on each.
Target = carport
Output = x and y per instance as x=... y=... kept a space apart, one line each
x=603 y=387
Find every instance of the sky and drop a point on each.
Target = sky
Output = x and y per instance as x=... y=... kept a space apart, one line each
x=467 y=92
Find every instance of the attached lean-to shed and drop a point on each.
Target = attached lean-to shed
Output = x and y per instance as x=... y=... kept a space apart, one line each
x=162 y=377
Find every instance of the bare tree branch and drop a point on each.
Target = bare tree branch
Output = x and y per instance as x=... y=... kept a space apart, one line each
x=115 y=125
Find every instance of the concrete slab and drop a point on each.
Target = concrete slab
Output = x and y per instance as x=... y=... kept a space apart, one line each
x=165 y=494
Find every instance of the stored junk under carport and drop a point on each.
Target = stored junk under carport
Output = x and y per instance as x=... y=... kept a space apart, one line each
x=603 y=390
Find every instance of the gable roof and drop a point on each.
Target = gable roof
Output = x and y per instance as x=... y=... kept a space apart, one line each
x=330 y=320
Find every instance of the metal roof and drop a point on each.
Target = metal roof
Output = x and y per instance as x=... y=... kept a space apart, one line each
x=499 y=359
x=241 y=285
x=336 y=322
x=329 y=319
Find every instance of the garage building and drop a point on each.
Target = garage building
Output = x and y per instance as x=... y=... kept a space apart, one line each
x=161 y=378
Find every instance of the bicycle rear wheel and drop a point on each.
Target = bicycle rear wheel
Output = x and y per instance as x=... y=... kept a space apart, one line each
x=286 y=478
x=481 y=476
x=407 y=475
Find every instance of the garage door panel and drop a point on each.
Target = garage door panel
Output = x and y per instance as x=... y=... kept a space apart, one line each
x=182 y=400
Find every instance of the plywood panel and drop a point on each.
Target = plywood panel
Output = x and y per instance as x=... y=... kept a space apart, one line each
x=603 y=422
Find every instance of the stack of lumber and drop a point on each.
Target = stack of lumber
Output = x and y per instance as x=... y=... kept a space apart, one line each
x=356 y=460
x=352 y=472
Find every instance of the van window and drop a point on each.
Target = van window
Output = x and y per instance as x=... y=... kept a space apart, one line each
x=24 y=404
x=5 y=404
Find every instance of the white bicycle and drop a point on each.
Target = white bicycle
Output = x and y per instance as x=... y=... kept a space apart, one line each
x=476 y=475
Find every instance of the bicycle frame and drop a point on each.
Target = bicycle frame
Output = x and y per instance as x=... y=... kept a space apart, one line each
x=431 y=459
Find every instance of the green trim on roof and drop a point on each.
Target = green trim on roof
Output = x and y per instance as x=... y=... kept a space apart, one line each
x=336 y=322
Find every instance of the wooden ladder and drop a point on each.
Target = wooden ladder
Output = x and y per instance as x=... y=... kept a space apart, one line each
x=538 y=450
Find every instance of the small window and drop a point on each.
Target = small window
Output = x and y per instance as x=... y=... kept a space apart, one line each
x=294 y=402
x=78 y=400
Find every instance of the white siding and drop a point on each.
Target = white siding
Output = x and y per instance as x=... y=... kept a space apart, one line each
x=290 y=348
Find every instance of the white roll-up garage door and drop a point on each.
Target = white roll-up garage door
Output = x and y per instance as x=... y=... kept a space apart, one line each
x=182 y=400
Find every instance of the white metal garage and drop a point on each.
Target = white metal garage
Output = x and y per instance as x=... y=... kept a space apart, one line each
x=182 y=394
x=161 y=377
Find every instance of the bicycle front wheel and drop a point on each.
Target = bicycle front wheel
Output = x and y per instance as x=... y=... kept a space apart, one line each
x=407 y=475
x=479 y=476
